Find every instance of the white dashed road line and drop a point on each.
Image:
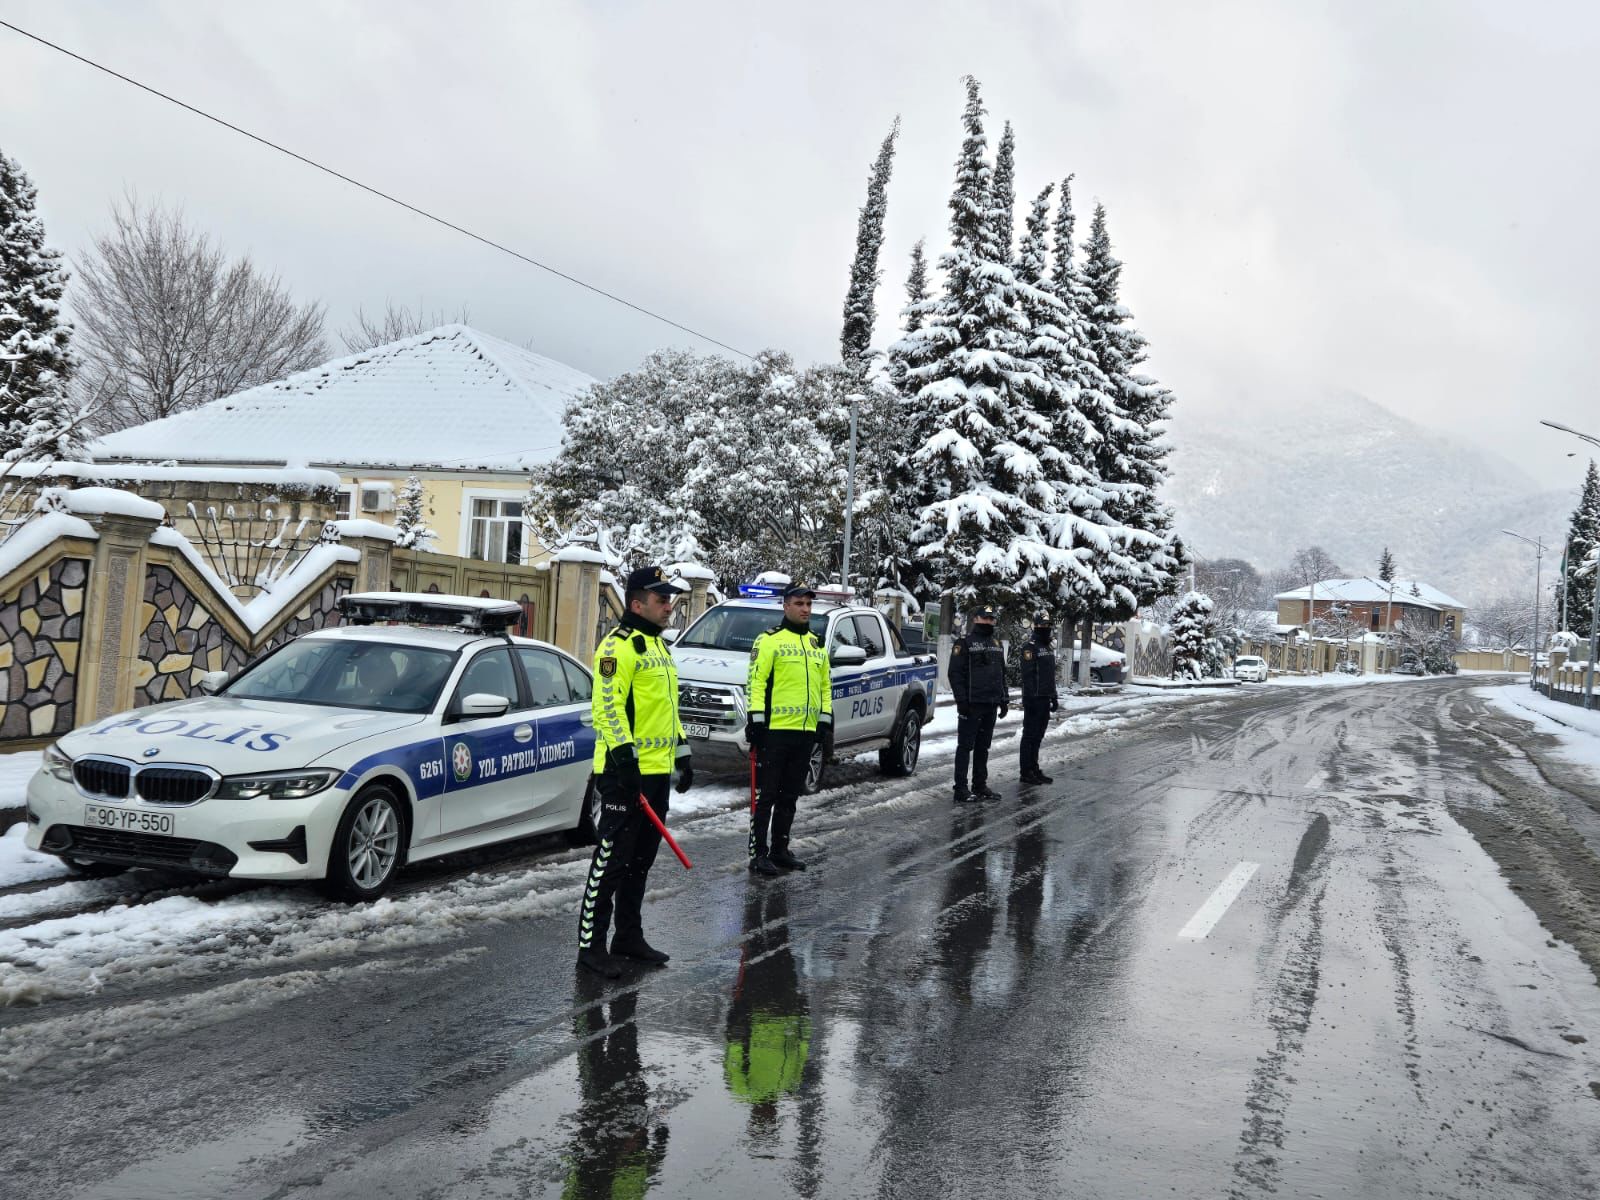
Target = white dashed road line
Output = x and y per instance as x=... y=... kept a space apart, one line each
x=1217 y=904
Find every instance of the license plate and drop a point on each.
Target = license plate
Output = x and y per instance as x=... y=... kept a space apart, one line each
x=128 y=820
x=699 y=731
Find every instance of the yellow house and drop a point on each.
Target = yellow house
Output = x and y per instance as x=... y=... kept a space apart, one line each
x=467 y=413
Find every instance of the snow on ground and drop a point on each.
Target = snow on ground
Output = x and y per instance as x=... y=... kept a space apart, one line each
x=1577 y=729
x=1338 y=679
x=150 y=928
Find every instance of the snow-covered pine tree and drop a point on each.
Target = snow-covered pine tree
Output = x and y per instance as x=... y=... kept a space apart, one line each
x=410 y=519
x=977 y=528
x=916 y=287
x=1386 y=566
x=860 y=301
x=1584 y=535
x=1003 y=194
x=1191 y=626
x=1053 y=426
x=37 y=419
x=1133 y=458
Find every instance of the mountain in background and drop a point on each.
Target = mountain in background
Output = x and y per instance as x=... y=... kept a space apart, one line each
x=1351 y=476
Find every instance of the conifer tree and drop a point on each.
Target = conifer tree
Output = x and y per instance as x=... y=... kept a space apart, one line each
x=860 y=301
x=1386 y=566
x=410 y=519
x=1004 y=194
x=1584 y=536
x=916 y=288
x=1133 y=457
x=37 y=419
x=977 y=527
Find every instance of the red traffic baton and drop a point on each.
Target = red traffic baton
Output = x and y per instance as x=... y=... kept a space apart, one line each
x=662 y=829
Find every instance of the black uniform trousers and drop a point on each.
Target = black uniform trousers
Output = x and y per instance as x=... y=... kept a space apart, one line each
x=1035 y=716
x=622 y=861
x=974 y=732
x=784 y=759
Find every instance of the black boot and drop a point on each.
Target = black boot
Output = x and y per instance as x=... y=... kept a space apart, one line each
x=962 y=795
x=982 y=791
x=1041 y=777
x=786 y=861
x=637 y=947
x=762 y=865
x=602 y=964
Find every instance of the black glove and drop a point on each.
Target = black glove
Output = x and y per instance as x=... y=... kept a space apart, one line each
x=755 y=733
x=824 y=728
x=1055 y=703
x=1005 y=708
x=685 y=775
x=963 y=710
x=623 y=763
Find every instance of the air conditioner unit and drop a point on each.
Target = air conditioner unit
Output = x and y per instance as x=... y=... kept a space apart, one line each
x=377 y=497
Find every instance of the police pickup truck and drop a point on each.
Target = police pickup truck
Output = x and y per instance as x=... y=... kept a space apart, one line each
x=882 y=692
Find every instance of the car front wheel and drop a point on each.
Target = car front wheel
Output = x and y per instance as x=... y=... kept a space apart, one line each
x=366 y=846
x=815 y=768
x=900 y=756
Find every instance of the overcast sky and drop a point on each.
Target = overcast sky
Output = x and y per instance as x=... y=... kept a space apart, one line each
x=1393 y=198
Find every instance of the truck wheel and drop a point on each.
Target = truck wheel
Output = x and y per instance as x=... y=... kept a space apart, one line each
x=366 y=847
x=899 y=757
x=815 y=768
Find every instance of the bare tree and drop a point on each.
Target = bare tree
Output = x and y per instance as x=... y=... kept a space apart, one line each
x=397 y=322
x=167 y=321
x=1313 y=565
x=1505 y=623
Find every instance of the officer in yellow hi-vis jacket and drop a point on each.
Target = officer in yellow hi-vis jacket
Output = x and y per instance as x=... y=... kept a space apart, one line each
x=639 y=742
x=791 y=711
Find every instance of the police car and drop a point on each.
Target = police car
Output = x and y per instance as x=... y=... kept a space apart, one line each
x=882 y=691
x=416 y=728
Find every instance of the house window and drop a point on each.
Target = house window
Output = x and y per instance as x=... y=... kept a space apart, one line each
x=344 y=504
x=496 y=530
x=1375 y=618
x=1450 y=622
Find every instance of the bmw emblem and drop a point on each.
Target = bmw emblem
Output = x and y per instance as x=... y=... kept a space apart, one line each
x=152 y=752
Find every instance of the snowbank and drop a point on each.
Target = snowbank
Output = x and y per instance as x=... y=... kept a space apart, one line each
x=1577 y=729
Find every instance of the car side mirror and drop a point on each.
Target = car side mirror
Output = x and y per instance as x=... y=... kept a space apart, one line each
x=483 y=704
x=848 y=656
x=670 y=635
x=213 y=682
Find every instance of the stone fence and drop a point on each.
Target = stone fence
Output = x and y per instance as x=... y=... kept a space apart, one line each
x=104 y=607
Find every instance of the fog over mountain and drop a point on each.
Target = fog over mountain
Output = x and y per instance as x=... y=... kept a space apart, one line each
x=1347 y=474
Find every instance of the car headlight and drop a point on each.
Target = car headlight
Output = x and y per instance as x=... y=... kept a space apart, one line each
x=57 y=765
x=278 y=785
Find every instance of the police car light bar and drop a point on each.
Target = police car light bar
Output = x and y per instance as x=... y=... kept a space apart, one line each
x=471 y=614
x=761 y=591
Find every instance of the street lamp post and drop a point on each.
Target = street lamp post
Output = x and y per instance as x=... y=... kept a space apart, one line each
x=1538 y=586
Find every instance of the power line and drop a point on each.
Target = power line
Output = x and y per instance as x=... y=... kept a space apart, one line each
x=382 y=195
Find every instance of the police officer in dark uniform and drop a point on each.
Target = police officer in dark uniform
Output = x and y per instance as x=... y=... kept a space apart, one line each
x=977 y=677
x=1039 y=697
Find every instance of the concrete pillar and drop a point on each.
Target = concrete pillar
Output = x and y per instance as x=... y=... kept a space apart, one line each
x=113 y=615
x=575 y=605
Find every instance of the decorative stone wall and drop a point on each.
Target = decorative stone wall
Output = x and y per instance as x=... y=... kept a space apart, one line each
x=41 y=629
x=181 y=640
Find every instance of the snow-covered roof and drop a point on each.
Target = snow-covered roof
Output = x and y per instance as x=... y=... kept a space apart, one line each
x=1372 y=591
x=453 y=398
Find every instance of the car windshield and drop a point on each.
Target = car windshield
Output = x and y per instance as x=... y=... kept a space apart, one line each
x=735 y=628
x=348 y=674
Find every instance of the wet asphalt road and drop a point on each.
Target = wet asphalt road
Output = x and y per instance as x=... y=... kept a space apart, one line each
x=955 y=1000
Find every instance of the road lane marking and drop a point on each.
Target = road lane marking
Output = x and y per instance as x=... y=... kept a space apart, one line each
x=1316 y=780
x=1219 y=901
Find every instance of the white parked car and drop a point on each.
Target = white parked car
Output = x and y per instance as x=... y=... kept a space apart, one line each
x=1250 y=667
x=1105 y=664
x=339 y=756
x=882 y=689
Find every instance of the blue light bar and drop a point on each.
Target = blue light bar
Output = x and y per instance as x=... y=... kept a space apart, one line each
x=761 y=591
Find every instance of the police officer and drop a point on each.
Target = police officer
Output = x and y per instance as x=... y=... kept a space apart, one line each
x=977 y=677
x=791 y=710
x=1039 y=697
x=639 y=740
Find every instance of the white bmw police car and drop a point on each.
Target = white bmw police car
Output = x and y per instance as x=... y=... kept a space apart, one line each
x=417 y=728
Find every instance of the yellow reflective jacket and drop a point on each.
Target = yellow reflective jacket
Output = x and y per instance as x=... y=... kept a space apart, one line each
x=636 y=700
x=790 y=686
